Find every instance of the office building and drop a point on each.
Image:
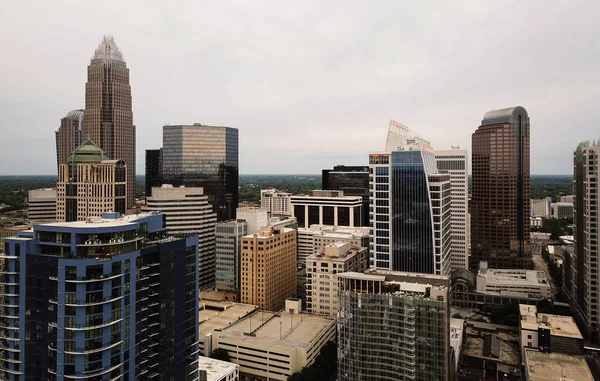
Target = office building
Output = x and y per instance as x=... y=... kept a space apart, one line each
x=316 y=236
x=500 y=190
x=562 y=210
x=410 y=206
x=541 y=208
x=570 y=199
x=228 y=254
x=256 y=218
x=544 y=366
x=530 y=284
x=393 y=326
x=153 y=170
x=68 y=136
x=107 y=119
x=581 y=268
x=353 y=180
x=90 y=185
x=204 y=156
x=41 y=205
x=268 y=274
x=100 y=299
x=456 y=162
x=275 y=345
x=548 y=332
x=217 y=370
x=323 y=207
x=187 y=213
x=276 y=202
x=321 y=270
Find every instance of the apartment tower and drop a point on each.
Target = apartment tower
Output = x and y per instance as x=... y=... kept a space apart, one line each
x=500 y=191
x=107 y=119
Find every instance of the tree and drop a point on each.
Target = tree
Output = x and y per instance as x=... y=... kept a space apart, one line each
x=324 y=368
x=221 y=354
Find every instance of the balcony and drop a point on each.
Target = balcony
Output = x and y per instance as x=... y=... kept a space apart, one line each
x=93 y=278
x=94 y=373
x=83 y=351
x=83 y=327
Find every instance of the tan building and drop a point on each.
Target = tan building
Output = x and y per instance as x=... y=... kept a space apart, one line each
x=268 y=268
x=89 y=185
x=68 y=136
x=549 y=333
x=540 y=366
x=41 y=205
x=321 y=270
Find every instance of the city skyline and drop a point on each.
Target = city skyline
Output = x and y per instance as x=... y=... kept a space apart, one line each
x=314 y=81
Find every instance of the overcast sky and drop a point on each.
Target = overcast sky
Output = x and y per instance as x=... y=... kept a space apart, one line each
x=308 y=86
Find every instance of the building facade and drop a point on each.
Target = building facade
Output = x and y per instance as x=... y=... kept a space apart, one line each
x=41 y=205
x=393 y=326
x=204 y=156
x=256 y=218
x=322 y=207
x=456 y=163
x=316 y=236
x=100 y=299
x=68 y=136
x=526 y=284
x=90 y=185
x=500 y=191
x=562 y=210
x=153 y=170
x=353 y=180
x=228 y=254
x=541 y=208
x=107 y=119
x=322 y=268
x=276 y=202
x=187 y=213
x=268 y=273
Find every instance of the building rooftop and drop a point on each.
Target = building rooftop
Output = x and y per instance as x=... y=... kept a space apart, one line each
x=505 y=115
x=108 y=51
x=215 y=369
x=279 y=332
x=506 y=342
x=456 y=336
x=542 y=366
x=268 y=232
x=563 y=326
x=97 y=222
x=220 y=314
x=515 y=277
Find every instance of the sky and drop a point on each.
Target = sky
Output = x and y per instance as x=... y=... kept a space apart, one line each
x=309 y=84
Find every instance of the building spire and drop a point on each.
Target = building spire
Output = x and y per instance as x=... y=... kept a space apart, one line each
x=108 y=51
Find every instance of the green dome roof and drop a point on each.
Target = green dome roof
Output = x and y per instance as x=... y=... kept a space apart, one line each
x=88 y=152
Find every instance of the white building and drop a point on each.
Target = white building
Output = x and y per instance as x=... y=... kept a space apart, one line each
x=41 y=205
x=228 y=244
x=530 y=284
x=455 y=162
x=569 y=198
x=316 y=236
x=541 y=208
x=187 y=212
x=322 y=268
x=562 y=210
x=217 y=370
x=276 y=202
x=536 y=221
x=327 y=207
x=256 y=218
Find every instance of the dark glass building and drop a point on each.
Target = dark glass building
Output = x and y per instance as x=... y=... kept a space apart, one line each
x=353 y=180
x=112 y=298
x=500 y=190
x=204 y=156
x=153 y=170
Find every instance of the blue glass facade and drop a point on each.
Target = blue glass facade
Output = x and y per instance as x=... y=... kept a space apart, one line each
x=97 y=301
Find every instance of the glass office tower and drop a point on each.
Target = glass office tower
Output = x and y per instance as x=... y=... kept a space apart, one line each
x=105 y=299
x=204 y=156
x=153 y=170
x=353 y=180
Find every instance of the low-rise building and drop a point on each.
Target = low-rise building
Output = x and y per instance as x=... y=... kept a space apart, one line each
x=524 y=283
x=569 y=198
x=540 y=366
x=217 y=370
x=277 y=203
x=541 y=208
x=536 y=221
x=321 y=274
x=316 y=236
x=327 y=207
x=273 y=346
x=549 y=333
x=562 y=210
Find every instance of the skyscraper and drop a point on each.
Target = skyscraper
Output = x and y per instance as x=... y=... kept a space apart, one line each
x=112 y=298
x=580 y=267
x=68 y=136
x=410 y=206
x=393 y=326
x=353 y=180
x=228 y=254
x=455 y=162
x=500 y=190
x=107 y=119
x=204 y=156
x=153 y=170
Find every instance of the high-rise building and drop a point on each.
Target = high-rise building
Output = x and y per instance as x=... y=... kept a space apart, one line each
x=256 y=218
x=204 y=156
x=322 y=268
x=500 y=190
x=324 y=207
x=455 y=162
x=105 y=299
x=541 y=208
x=68 y=136
x=107 y=119
x=580 y=268
x=410 y=206
x=187 y=213
x=90 y=185
x=276 y=202
x=393 y=326
x=353 y=180
x=41 y=205
x=153 y=170
x=268 y=268
x=228 y=254
x=567 y=199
